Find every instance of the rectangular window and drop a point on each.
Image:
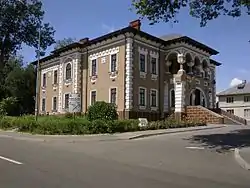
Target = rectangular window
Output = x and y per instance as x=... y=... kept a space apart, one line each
x=44 y=80
x=230 y=99
x=93 y=97
x=54 y=103
x=93 y=68
x=247 y=113
x=142 y=95
x=231 y=111
x=66 y=101
x=153 y=98
x=55 y=76
x=142 y=63
x=246 y=98
x=113 y=95
x=43 y=105
x=153 y=65
x=113 y=63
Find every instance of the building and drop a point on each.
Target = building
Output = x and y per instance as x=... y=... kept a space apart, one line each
x=236 y=100
x=144 y=75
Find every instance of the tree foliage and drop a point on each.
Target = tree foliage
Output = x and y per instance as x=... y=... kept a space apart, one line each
x=20 y=22
x=64 y=42
x=18 y=87
x=205 y=10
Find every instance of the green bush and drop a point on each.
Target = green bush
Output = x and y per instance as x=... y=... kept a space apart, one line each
x=102 y=111
x=9 y=106
x=63 y=125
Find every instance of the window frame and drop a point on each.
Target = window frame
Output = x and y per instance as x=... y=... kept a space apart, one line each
x=91 y=102
x=156 y=98
x=66 y=71
x=142 y=106
x=247 y=111
x=64 y=101
x=110 y=95
x=55 y=81
x=145 y=63
x=44 y=80
x=43 y=105
x=91 y=70
x=228 y=99
x=111 y=63
x=54 y=104
x=246 y=98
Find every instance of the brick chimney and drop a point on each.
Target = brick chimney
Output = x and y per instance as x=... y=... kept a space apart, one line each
x=136 y=24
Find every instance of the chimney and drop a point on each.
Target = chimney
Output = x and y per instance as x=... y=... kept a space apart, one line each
x=84 y=40
x=136 y=24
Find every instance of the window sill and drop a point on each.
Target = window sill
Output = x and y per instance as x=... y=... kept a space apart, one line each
x=143 y=74
x=113 y=75
x=142 y=107
x=154 y=76
x=93 y=78
x=67 y=82
x=154 y=108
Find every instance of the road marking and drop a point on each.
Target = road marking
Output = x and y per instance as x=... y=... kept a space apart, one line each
x=240 y=160
x=10 y=160
x=193 y=147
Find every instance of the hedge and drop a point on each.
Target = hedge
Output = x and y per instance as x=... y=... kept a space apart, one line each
x=68 y=125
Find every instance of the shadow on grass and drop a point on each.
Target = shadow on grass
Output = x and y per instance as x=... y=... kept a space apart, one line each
x=224 y=142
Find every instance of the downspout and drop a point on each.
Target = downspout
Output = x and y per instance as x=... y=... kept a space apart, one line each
x=86 y=85
x=124 y=91
x=159 y=82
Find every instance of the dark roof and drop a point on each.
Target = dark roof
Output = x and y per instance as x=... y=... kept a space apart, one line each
x=243 y=88
x=162 y=40
x=215 y=62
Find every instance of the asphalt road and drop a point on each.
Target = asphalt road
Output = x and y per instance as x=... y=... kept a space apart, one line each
x=196 y=159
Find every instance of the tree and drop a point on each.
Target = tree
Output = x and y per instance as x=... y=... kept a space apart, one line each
x=20 y=22
x=205 y=10
x=64 y=42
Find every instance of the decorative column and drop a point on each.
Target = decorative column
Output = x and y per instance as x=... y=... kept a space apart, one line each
x=190 y=67
x=60 y=86
x=129 y=75
x=168 y=63
x=179 y=85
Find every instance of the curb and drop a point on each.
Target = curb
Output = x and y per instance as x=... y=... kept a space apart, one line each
x=240 y=160
x=174 y=131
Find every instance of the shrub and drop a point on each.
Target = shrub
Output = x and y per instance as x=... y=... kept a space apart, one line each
x=103 y=111
x=9 y=106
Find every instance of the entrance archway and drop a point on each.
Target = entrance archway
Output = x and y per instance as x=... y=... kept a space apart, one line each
x=197 y=98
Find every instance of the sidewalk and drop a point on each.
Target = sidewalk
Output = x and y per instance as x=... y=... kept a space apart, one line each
x=100 y=137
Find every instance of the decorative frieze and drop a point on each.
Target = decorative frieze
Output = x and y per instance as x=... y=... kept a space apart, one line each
x=104 y=53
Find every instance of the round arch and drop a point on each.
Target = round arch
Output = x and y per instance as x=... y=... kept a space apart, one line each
x=197 y=97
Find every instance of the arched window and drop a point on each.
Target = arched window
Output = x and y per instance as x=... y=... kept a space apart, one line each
x=68 y=71
x=172 y=98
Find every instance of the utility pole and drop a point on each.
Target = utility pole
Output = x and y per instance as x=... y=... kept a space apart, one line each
x=37 y=74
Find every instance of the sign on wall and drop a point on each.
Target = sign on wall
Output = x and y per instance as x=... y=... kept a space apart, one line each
x=74 y=103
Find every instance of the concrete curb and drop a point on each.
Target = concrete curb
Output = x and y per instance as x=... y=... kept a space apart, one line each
x=174 y=131
x=240 y=160
x=114 y=137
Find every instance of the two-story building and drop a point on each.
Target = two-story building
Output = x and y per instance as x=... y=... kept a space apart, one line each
x=236 y=100
x=144 y=75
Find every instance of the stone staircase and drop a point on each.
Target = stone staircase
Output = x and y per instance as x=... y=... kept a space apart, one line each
x=230 y=118
x=213 y=116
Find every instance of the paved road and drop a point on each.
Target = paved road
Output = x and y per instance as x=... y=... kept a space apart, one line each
x=197 y=159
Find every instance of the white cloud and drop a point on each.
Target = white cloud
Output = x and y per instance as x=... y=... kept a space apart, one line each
x=108 y=28
x=235 y=81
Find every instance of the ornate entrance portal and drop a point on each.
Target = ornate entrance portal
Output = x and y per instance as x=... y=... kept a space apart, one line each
x=197 y=97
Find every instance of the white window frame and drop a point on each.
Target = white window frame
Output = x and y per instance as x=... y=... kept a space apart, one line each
x=110 y=61
x=91 y=63
x=90 y=96
x=64 y=100
x=143 y=51
x=44 y=85
x=54 y=77
x=247 y=97
x=247 y=111
x=116 y=102
x=43 y=98
x=230 y=101
x=154 y=108
x=54 y=110
x=65 y=65
x=156 y=56
x=145 y=98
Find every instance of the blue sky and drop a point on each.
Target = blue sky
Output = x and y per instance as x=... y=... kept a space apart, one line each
x=79 y=19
